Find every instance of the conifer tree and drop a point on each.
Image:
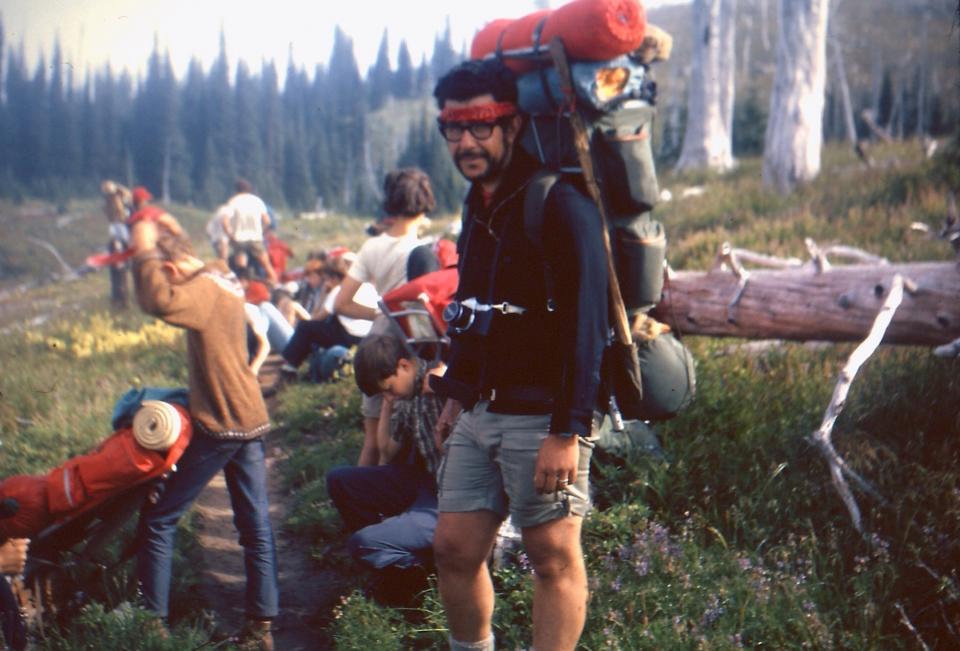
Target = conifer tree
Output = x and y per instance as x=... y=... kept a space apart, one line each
x=220 y=125
x=444 y=56
x=246 y=138
x=347 y=111
x=423 y=83
x=35 y=136
x=320 y=155
x=4 y=128
x=193 y=126
x=403 y=80
x=64 y=141
x=271 y=135
x=297 y=186
x=379 y=77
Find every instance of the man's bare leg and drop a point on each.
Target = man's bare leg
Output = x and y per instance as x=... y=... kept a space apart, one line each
x=462 y=544
x=268 y=268
x=560 y=583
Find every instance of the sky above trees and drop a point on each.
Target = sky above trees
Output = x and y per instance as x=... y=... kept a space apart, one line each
x=122 y=32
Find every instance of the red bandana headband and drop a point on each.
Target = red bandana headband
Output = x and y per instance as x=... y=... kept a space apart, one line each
x=480 y=113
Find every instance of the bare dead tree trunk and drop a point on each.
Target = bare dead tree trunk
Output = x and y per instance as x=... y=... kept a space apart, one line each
x=765 y=25
x=901 y=107
x=848 y=121
x=877 y=75
x=708 y=141
x=745 y=55
x=794 y=129
x=922 y=74
x=801 y=304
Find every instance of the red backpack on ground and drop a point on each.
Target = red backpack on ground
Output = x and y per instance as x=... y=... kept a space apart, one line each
x=84 y=482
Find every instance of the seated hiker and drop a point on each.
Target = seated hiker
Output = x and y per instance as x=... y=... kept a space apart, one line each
x=304 y=298
x=383 y=261
x=266 y=318
x=392 y=507
x=328 y=329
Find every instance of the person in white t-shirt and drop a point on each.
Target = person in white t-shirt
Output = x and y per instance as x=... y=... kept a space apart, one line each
x=244 y=222
x=382 y=261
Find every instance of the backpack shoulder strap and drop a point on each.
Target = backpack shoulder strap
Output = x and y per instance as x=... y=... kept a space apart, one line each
x=533 y=203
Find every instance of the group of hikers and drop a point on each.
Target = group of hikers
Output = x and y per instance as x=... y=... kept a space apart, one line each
x=501 y=424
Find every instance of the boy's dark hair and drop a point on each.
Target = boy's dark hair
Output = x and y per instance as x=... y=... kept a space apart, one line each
x=407 y=193
x=472 y=78
x=243 y=186
x=173 y=248
x=377 y=359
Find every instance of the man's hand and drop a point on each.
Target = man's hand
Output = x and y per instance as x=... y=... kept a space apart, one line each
x=557 y=463
x=13 y=555
x=451 y=410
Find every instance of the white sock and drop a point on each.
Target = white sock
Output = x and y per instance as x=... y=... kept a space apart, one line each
x=482 y=645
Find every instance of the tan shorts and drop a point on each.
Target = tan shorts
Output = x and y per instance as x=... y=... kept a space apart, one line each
x=252 y=248
x=489 y=466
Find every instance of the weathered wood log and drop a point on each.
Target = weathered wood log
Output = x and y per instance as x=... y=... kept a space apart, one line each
x=838 y=304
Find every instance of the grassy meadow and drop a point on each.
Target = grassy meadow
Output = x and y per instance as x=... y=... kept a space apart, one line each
x=736 y=539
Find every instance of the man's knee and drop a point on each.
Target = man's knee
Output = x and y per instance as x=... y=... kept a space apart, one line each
x=338 y=482
x=458 y=550
x=554 y=548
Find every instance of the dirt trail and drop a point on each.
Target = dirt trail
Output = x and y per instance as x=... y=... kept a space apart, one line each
x=305 y=591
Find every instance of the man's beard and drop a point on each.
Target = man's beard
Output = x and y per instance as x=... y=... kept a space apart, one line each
x=495 y=167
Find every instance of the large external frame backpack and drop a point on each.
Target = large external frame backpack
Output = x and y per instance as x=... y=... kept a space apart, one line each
x=611 y=106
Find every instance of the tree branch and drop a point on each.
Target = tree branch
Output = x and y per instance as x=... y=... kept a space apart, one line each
x=822 y=437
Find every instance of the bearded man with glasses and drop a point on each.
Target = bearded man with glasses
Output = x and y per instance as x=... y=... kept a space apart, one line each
x=528 y=333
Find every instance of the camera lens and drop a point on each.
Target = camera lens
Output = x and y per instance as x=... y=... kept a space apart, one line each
x=452 y=311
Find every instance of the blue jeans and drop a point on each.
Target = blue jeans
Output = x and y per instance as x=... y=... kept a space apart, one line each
x=392 y=508
x=326 y=333
x=243 y=464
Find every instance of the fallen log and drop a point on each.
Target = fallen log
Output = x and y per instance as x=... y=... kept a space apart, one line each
x=839 y=303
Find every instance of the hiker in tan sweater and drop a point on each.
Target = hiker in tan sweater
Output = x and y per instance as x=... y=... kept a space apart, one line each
x=229 y=417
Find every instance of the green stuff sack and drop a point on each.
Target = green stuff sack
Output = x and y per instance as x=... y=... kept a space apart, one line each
x=639 y=250
x=623 y=156
x=669 y=380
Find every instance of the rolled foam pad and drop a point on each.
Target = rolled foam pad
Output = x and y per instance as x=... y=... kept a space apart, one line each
x=157 y=425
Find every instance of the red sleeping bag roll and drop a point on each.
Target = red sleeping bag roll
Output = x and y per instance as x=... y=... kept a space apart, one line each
x=591 y=30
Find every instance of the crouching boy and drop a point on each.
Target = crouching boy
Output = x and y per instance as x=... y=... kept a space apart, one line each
x=392 y=508
x=229 y=418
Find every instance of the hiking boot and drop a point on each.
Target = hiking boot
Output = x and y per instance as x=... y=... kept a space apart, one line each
x=256 y=636
x=397 y=587
x=157 y=627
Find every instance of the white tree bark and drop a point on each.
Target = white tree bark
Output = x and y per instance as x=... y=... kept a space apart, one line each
x=838 y=62
x=708 y=141
x=794 y=128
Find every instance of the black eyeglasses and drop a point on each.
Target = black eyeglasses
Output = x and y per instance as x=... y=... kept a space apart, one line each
x=453 y=131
